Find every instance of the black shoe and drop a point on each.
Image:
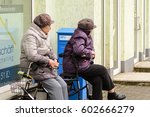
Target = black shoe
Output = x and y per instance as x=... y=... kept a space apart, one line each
x=89 y=97
x=115 y=96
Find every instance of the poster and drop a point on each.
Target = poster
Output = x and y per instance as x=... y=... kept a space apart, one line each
x=11 y=29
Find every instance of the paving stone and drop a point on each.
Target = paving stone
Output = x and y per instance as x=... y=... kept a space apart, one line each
x=132 y=92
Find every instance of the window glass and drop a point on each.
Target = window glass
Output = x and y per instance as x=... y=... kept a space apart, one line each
x=115 y=33
x=15 y=16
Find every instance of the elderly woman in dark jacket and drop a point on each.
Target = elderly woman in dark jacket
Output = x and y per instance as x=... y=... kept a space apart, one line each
x=80 y=47
x=36 y=49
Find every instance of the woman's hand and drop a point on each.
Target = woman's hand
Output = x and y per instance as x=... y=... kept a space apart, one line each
x=53 y=63
x=56 y=63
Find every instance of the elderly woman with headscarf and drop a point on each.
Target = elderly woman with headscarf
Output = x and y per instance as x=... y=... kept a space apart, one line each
x=36 y=49
x=80 y=49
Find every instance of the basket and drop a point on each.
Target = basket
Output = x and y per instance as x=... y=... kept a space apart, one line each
x=16 y=86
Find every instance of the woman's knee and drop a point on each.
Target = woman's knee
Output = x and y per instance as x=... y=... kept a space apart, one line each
x=57 y=86
x=98 y=69
x=97 y=81
x=103 y=68
x=61 y=81
x=64 y=85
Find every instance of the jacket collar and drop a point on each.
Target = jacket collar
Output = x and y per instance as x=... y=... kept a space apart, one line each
x=38 y=30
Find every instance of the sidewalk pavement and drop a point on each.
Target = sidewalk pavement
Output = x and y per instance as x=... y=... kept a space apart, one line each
x=135 y=85
x=133 y=92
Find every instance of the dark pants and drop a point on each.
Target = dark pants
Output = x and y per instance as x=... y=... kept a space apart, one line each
x=99 y=78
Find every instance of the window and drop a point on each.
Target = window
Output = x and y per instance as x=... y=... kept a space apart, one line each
x=15 y=17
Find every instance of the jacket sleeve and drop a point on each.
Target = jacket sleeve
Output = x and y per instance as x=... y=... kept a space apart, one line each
x=80 y=48
x=52 y=55
x=30 y=48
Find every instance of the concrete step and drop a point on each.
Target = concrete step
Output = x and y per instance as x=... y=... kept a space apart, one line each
x=143 y=66
x=135 y=78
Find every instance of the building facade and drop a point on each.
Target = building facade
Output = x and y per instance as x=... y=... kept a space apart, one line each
x=121 y=38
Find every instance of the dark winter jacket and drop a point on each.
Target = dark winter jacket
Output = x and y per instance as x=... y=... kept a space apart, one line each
x=78 y=52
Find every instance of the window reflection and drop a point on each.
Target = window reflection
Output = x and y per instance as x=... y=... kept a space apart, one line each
x=12 y=23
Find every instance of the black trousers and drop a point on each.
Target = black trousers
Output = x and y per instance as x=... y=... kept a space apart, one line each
x=99 y=78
